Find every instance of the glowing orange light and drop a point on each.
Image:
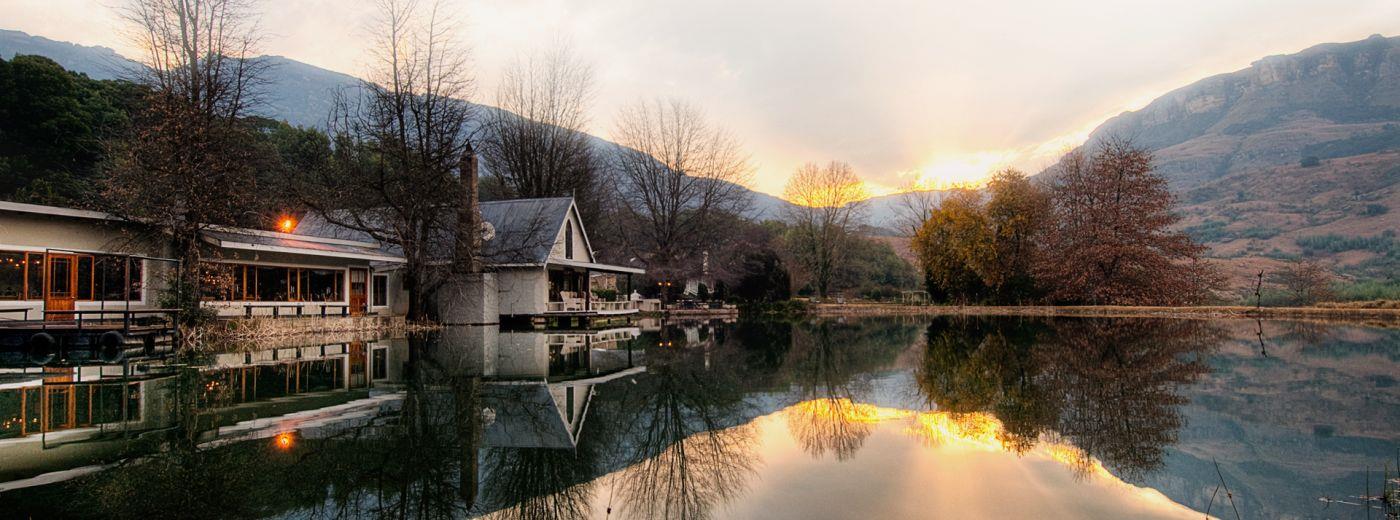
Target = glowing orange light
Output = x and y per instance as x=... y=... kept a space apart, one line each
x=287 y=224
x=283 y=441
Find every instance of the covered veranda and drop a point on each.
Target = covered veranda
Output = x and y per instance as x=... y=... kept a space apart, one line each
x=572 y=285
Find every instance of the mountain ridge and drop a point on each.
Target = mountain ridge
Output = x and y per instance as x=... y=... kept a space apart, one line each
x=1323 y=122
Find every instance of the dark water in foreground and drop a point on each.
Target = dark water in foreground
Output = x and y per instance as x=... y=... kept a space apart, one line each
x=873 y=418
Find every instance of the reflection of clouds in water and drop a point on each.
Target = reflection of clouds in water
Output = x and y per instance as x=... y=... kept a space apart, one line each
x=939 y=430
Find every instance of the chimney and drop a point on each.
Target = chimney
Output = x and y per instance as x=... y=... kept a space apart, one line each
x=467 y=258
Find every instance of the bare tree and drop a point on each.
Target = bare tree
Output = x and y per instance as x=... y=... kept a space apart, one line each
x=535 y=144
x=1307 y=281
x=401 y=143
x=828 y=204
x=188 y=162
x=913 y=207
x=677 y=179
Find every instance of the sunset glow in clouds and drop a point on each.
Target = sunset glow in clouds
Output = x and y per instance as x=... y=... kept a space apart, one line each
x=930 y=93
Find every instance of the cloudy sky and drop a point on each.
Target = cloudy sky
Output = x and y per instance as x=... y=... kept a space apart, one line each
x=933 y=92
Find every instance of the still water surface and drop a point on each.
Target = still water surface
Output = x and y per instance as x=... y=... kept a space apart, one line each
x=871 y=418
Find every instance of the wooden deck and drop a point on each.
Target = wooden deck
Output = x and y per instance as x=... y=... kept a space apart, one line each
x=85 y=336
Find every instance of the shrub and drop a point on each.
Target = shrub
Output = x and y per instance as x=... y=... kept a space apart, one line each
x=1310 y=161
x=1374 y=210
x=1367 y=290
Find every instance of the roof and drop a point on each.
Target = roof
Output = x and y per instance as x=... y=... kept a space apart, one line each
x=19 y=207
x=254 y=240
x=524 y=232
x=525 y=416
x=525 y=228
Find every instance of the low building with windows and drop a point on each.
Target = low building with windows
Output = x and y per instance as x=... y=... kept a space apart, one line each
x=259 y=272
x=56 y=259
x=62 y=259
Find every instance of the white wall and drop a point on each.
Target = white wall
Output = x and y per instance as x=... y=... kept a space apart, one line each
x=581 y=251
x=522 y=291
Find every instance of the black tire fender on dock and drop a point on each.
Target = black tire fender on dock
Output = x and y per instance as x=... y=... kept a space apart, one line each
x=111 y=346
x=43 y=348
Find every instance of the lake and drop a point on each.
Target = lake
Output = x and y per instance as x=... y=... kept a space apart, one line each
x=833 y=418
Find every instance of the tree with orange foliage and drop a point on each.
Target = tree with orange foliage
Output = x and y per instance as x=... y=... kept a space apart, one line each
x=1017 y=213
x=978 y=246
x=951 y=246
x=1110 y=241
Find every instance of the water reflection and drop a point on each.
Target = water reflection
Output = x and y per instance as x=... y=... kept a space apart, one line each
x=1104 y=417
x=1110 y=387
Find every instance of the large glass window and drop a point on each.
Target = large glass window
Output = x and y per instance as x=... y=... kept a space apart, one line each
x=83 y=277
x=11 y=276
x=221 y=282
x=273 y=283
x=108 y=275
x=236 y=282
x=324 y=285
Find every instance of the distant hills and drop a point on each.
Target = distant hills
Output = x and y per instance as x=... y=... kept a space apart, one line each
x=298 y=93
x=1295 y=155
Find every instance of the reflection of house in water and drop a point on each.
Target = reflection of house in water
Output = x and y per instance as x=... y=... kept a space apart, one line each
x=535 y=388
x=57 y=418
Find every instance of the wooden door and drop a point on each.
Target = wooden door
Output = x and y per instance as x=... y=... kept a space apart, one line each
x=60 y=285
x=359 y=291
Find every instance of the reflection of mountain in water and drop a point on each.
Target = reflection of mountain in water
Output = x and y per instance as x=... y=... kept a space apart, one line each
x=1305 y=422
x=1158 y=401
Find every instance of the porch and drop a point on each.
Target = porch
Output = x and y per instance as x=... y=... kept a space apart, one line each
x=588 y=289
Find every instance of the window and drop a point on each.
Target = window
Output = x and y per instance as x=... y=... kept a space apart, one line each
x=325 y=285
x=34 y=277
x=381 y=290
x=84 y=277
x=569 y=239
x=235 y=282
x=273 y=284
x=108 y=275
x=381 y=364
x=61 y=277
x=221 y=282
x=11 y=276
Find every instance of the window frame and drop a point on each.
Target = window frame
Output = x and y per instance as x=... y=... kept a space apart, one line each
x=378 y=297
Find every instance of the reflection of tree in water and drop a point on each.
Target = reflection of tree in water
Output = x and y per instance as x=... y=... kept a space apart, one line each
x=830 y=365
x=539 y=483
x=417 y=462
x=1108 y=386
x=686 y=449
x=972 y=365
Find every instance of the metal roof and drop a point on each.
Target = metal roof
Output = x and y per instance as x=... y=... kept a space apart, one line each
x=230 y=239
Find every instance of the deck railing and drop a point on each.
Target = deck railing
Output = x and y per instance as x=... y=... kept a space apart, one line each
x=591 y=306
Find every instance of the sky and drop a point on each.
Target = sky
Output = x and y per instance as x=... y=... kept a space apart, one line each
x=926 y=93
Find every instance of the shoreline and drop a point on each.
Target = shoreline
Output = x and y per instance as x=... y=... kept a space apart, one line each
x=1383 y=316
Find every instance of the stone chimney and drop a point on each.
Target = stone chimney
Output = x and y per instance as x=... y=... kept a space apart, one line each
x=467 y=253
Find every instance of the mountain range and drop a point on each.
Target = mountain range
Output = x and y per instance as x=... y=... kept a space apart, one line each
x=1296 y=154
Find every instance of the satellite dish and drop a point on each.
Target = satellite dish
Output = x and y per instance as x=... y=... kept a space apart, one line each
x=488 y=231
